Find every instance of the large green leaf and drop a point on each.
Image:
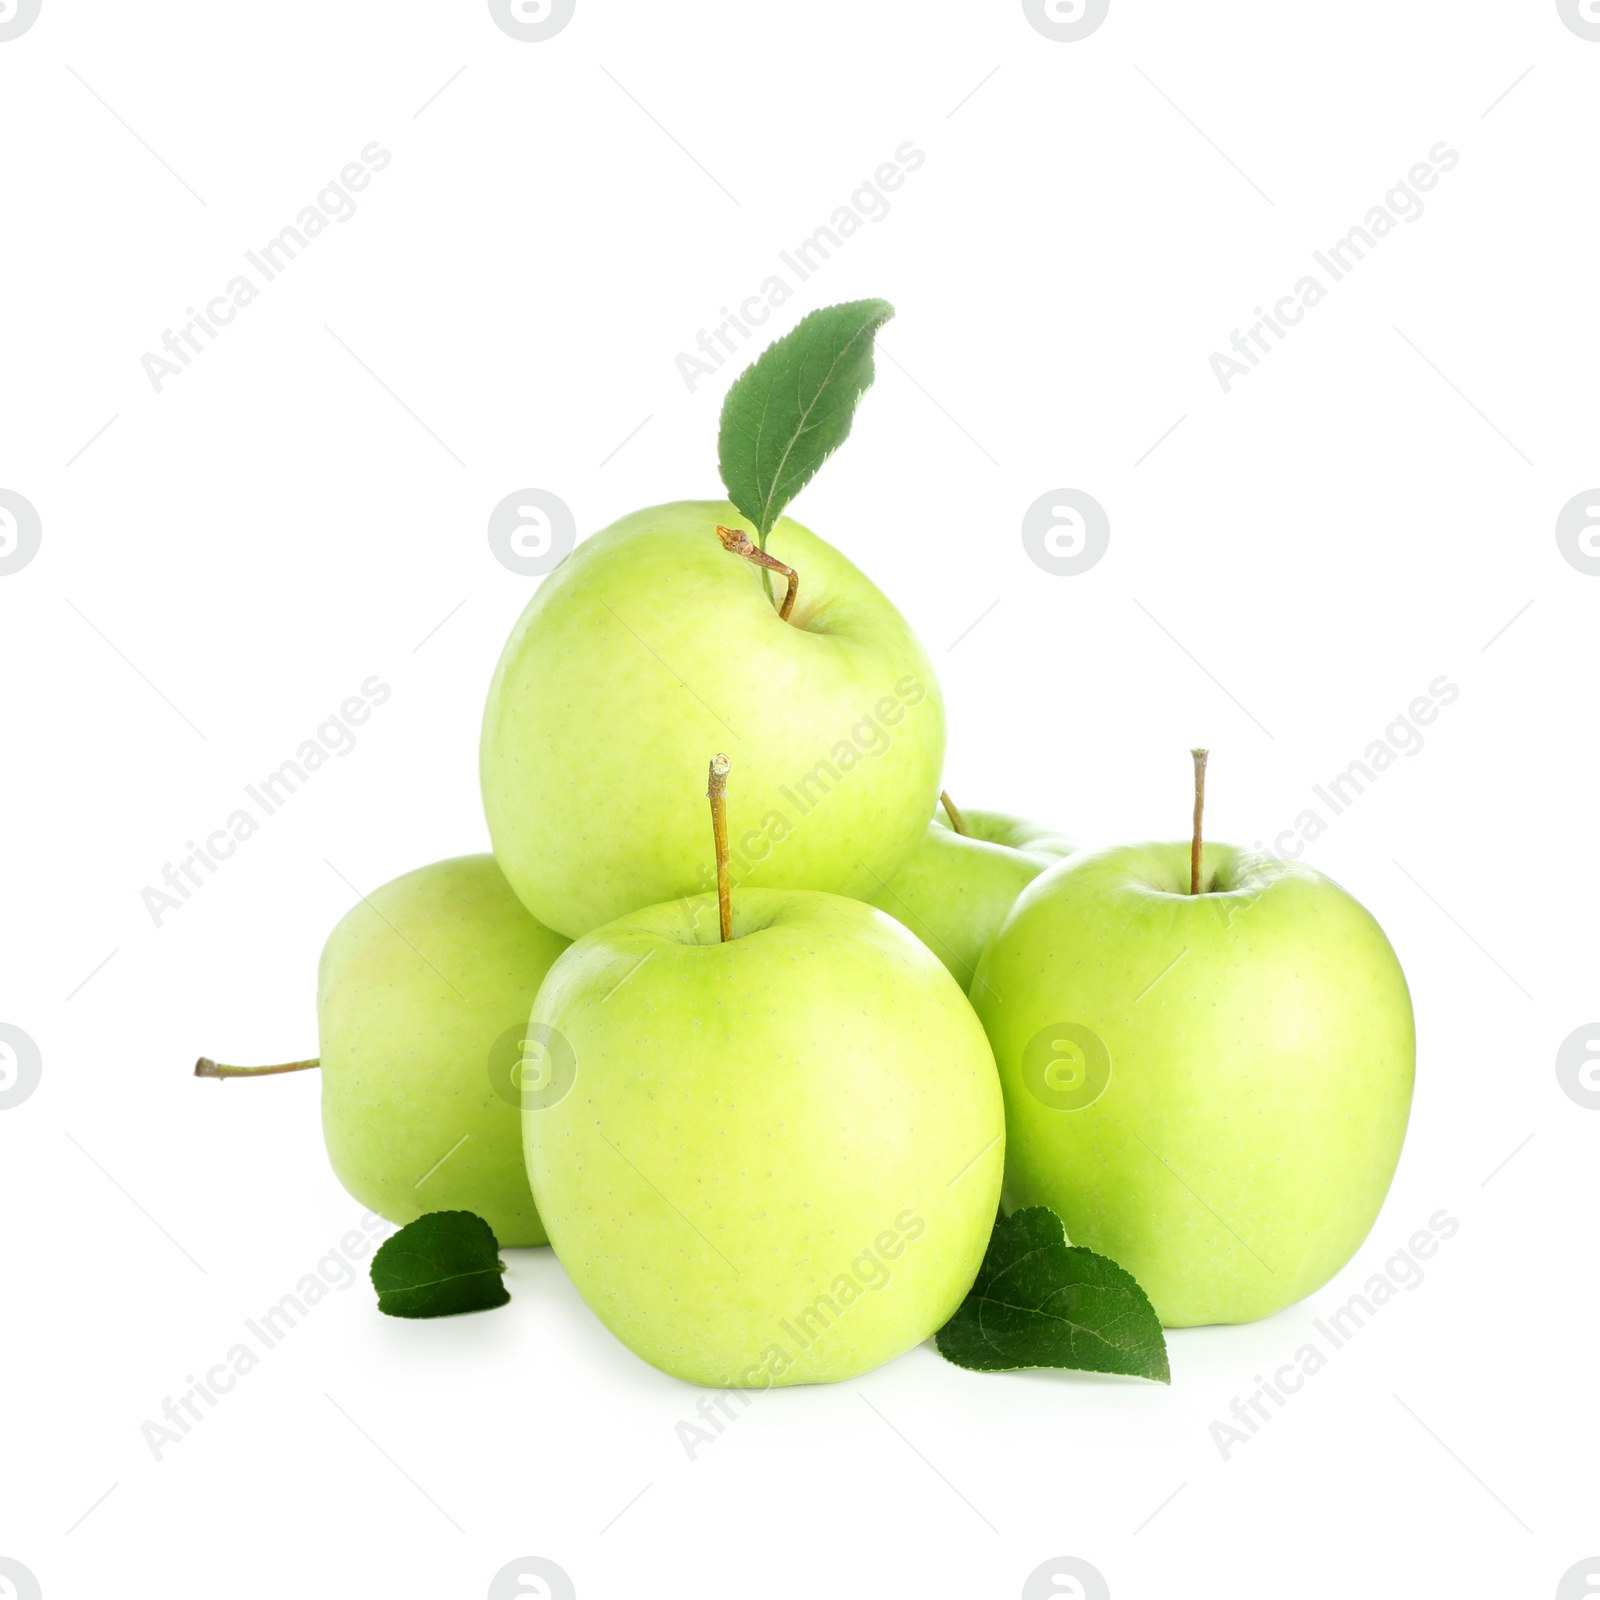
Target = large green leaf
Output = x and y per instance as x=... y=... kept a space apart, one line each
x=1041 y=1302
x=792 y=408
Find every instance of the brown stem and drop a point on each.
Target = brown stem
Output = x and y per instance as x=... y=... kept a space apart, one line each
x=717 y=794
x=739 y=543
x=1199 y=807
x=205 y=1067
x=957 y=821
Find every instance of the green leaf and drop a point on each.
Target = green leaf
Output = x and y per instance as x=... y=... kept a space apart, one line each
x=443 y=1263
x=792 y=408
x=1041 y=1302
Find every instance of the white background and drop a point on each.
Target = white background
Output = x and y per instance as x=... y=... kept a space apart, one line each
x=306 y=505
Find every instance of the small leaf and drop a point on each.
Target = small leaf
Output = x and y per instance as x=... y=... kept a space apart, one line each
x=1041 y=1302
x=792 y=408
x=441 y=1264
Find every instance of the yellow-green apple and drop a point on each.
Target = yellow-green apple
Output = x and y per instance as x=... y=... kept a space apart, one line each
x=423 y=993
x=653 y=641
x=963 y=877
x=1211 y=1088
x=779 y=1156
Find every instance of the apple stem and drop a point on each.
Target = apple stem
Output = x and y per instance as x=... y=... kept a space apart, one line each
x=1199 y=808
x=717 y=794
x=737 y=542
x=205 y=1067
x=957 y=821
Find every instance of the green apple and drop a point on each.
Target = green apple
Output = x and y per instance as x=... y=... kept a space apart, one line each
x=423 y=993
x=778 y=1159
x=651 y=642
x=1211 y=1088
x=962 y=879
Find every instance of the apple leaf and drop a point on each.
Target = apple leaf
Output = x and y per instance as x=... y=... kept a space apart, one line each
x=1041 y=1302
x=443 y=1263
x=792 y=407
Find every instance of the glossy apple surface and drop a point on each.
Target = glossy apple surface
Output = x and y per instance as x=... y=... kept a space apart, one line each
x=1211 y=1089
x=649 y=648
x=778 y=1158
x=423 y=994
x=955 y=889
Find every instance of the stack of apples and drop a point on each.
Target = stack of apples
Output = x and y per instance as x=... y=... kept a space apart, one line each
x=743 y=1017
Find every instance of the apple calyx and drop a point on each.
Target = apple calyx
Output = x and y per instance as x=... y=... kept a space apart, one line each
x=739 y=543
x=1199 y=807
x=717 y=794
x=205 y=1067
x=957 y=821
